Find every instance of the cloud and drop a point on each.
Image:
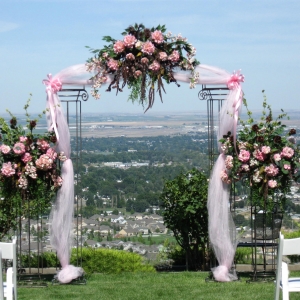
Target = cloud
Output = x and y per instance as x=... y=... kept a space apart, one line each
x=7 y=26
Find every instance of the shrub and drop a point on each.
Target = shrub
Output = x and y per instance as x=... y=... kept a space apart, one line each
x=95 y=260
x=243 y=255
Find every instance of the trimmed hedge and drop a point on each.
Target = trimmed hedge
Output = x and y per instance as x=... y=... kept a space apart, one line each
x=94 y=260
x=98 y=260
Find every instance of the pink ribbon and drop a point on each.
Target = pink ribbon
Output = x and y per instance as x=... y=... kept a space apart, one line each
x=54 y=84
x=235 y=79
x=52 y=87
x=234 y=83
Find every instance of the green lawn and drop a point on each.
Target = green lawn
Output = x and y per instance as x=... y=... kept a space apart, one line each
x=160 y=286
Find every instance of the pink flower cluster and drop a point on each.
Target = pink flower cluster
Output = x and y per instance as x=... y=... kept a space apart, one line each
x=23 y=182
x=148 y=48
x=119 y=47
x=157 y=36
x=287 y=152
x=113 y=64
x=259 y=155
x=225 y=177
x=43 y=145
x=8 y=169
x=19 y=148
x=4 y=149
x=271 y=170
x=57 y=180
x=175 y=56
x=130 y=56
x=30 y=170
x=229 y=162
x=129 y=40
x=44 y=162
x=155 y=66
x=244 y=156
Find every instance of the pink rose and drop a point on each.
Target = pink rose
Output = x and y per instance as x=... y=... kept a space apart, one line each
x=137 y=73
x=7 y=169
x=23 y=139
x=30 y=170
x=119 y=47
x=224 y=177
x=105 y=55
x=245 y=167
x=22 y=182
x=57 y=180
x=129 y=40
x=265 y=149
x=144 y=60
x=272 y=184
x=163 y=56
x=130 y=56
x=43 y=145
x=157 y=36
x=155 y=66
x=44 y=162
x=19 y=148
x=271 y=170
x=174 y=56
x=229 y=162
x=112 y=64
x=259 y=155
x=277 y=157
x=26 y=157
x=287 y=167
x=51 y=153
x=148 y=48
x=244 y=155
x=287 y=152
x=4 y=149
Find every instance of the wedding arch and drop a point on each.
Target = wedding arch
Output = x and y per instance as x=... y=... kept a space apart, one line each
x=158 y=60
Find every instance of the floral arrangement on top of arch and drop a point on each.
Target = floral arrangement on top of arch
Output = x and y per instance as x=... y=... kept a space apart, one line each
x=29 y=170
x=266 y=152
x=142 y=60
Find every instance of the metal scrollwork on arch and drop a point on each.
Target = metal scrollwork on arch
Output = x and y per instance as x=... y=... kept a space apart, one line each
x=214 y=97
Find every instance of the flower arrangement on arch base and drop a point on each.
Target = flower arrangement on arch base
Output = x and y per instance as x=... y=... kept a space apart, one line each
x=266 y=154
x=29 y=171
x=145 y=58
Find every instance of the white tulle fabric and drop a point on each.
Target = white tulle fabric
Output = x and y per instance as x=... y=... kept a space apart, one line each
x=221 y=226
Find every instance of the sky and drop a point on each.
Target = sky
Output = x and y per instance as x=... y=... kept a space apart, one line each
x=260 y=37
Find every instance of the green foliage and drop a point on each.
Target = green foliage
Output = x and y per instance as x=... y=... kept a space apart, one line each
x=184 y=201
x=243 y=255
x=44 y=260
x=94 y=260
x=97 y=260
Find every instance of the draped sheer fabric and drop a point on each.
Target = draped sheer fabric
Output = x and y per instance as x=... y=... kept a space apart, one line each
x=221 y=227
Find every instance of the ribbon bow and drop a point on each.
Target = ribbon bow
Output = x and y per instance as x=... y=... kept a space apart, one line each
x=54 y=84
x=234 y=83
x=235 y=79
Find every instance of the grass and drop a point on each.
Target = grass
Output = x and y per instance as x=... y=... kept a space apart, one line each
x=158 y=286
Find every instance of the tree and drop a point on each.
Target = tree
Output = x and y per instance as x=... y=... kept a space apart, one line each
x=184 y=200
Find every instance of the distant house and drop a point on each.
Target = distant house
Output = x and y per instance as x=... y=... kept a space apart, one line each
x=128 y=232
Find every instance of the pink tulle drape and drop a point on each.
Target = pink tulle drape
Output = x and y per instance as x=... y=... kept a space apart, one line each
x=221 y=227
